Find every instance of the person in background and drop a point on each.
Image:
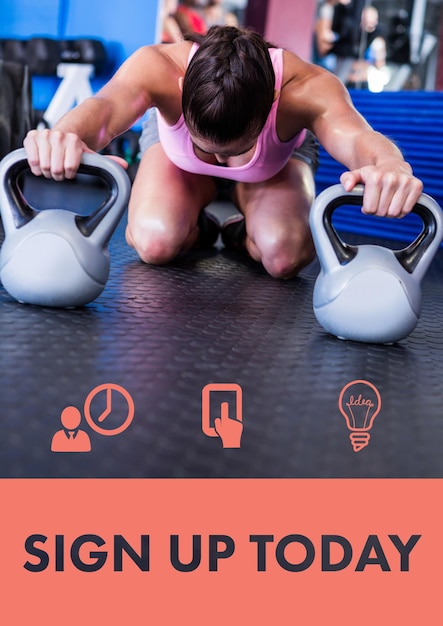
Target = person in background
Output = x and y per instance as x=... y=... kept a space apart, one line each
x=237 y=8
x=324 y=34
x=215 y=13
x=369 y=69
x=354 y=51
x=171 y=31
x=189 y=17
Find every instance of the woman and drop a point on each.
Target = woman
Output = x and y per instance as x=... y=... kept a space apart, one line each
x=231 y=107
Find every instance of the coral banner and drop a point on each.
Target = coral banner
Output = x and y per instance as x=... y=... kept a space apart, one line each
x=215 y=552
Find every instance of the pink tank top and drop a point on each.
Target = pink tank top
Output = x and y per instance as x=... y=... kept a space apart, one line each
x=270 y=156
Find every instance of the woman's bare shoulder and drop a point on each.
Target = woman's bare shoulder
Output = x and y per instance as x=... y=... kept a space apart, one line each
x=150 y=76
x=163 y=57
x=308 y=90
x=297 y=71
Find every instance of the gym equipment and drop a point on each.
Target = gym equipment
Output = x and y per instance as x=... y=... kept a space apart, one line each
x=43 y=55
x=369 y=293
x=14 y=50
x=16 y=112
x=55 y=257
x=91 y=51
x=74 y=87
x=79 y=61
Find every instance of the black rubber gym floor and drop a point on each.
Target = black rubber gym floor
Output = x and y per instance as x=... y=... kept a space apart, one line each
x=163 y=333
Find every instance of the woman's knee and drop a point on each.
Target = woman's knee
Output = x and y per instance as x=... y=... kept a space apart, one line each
x=284 y=256
x=156 y=241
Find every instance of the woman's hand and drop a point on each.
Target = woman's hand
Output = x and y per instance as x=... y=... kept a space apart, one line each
x=391 y=190
x=56 y=154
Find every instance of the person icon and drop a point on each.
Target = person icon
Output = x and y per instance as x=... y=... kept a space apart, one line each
x=70 y=438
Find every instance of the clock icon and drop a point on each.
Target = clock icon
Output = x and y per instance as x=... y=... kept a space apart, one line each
x=117 y=401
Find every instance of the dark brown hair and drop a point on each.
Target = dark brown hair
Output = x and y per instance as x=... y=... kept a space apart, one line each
x=228 y=88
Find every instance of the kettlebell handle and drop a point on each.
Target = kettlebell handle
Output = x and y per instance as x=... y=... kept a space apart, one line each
x=99 y=224
x=410 y=257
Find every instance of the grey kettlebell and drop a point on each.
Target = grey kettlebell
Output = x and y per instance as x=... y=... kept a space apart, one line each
x=56 y=257
x=369 y=293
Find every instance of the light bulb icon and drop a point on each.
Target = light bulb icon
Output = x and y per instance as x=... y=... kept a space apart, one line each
x=359 y=403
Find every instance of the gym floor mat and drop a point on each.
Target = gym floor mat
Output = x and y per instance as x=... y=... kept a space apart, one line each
x=164 y=333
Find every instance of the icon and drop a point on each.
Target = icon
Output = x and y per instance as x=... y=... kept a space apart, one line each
x=110 y=405
x=107 y=404
x=224 y=402
x=359 y=403
x=70 y=438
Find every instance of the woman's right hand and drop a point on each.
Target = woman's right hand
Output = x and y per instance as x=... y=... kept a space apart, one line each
x=53 y=153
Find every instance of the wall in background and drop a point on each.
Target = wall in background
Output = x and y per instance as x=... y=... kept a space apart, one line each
x=290 y=25
x=24 y=18
x=285 y=23
x=122 y=26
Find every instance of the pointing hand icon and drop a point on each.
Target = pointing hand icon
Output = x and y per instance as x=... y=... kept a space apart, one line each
x=229 y=430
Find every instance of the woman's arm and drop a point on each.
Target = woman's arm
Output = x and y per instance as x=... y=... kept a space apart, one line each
x=372 y=159
x=142 y=81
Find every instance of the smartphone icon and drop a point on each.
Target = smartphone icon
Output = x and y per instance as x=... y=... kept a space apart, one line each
x=218 y=397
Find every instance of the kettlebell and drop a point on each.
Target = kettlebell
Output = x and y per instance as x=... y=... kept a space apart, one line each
x=369 y=293
x=55 y=257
